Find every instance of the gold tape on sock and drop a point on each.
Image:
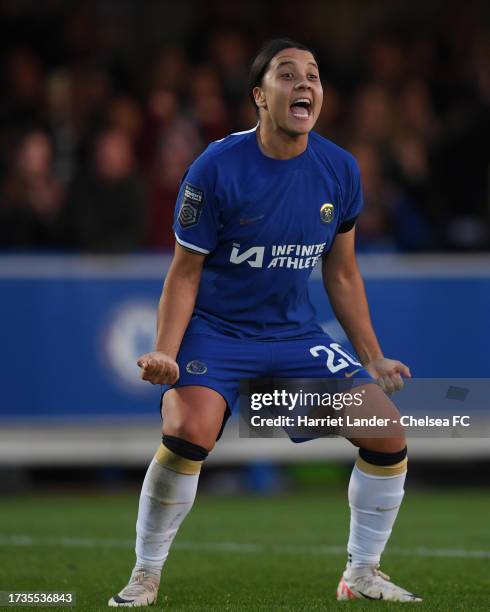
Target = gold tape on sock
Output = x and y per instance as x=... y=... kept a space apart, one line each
x=176 y=463
x=382 y=470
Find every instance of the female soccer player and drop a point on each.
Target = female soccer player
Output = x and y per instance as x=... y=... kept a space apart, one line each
x=255 y=213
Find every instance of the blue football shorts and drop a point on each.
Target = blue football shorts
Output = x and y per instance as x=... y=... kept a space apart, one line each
x=219 y=362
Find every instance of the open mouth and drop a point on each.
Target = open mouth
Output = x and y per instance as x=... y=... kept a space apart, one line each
x=301 y=108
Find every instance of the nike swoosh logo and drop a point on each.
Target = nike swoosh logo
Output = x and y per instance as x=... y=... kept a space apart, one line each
x=386 y=509
x=350 y=374
x=246 y=221
x=368 y=597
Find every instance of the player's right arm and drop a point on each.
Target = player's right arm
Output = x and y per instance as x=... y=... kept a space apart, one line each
x=174 y=312
x=196 y=226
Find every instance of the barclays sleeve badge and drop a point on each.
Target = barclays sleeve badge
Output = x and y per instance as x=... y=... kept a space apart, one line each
x=191 y=206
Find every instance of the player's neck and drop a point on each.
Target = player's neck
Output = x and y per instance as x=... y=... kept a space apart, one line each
x=278 y=144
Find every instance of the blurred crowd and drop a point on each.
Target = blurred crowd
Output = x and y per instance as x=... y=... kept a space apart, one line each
x=95 y=134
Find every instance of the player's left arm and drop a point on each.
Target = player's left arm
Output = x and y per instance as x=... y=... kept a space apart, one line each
x=345 y=289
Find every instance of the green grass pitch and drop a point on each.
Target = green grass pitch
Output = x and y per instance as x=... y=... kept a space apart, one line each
x=280 y=553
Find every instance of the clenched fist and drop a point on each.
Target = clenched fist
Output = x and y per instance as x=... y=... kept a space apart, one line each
x=158 y=368
x=388 y=373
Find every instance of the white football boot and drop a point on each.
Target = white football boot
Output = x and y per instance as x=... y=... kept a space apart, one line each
x=141 y=590
x=371 y=583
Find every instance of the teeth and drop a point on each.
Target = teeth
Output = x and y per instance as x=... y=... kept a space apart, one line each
x=305 y=100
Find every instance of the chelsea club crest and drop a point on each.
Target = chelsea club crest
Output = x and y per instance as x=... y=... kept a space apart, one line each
x=326 y=212
x=196 y=367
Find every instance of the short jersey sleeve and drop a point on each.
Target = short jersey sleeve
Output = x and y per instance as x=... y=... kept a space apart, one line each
x=196 y=217
x=353 y=200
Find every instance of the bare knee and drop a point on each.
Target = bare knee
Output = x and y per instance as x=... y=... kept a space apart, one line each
x=381 y=445
x=194 y=414
x=191 y=433
x=393 y=442
x=389 y=438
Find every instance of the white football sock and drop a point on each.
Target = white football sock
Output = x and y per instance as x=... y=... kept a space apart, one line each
x=374 y=502
x=166 y=498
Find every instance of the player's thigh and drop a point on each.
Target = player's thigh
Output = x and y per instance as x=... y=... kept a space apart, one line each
x=194 y=413
x=389 y=438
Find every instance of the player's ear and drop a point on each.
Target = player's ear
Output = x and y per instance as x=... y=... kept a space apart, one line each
x=259 y=97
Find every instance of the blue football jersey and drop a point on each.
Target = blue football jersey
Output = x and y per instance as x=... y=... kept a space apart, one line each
x=263 y=224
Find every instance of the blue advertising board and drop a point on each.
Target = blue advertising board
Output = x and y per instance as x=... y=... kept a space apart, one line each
x=73 y=327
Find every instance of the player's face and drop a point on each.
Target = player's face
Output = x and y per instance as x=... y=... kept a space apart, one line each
x=291 y=91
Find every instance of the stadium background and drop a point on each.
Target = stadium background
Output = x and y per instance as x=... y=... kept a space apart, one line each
x=104 y=106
